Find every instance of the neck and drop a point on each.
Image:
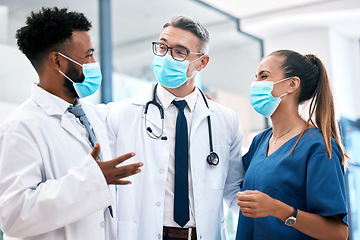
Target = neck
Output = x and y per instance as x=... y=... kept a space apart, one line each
x=57 y=89
x=285 y=121
x=181 y=91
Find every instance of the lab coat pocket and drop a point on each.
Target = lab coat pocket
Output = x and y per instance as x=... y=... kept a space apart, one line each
x=217 y=173
x=127 y=230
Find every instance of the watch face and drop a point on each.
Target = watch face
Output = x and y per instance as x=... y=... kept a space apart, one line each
x=290 y=221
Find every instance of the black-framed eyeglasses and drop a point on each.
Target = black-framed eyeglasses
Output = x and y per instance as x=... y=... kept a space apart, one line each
x=177 y=53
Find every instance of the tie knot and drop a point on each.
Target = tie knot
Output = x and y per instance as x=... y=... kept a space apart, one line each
x=76 y=110
x=180 y=104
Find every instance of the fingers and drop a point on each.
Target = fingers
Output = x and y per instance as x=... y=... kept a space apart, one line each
x=247 y=199
x=122 y=182
x=248 y=214
x=246 y=204
x=128 y=170
x=96 y=151
x=122 y=158
x=113 y=173
x=246 y=195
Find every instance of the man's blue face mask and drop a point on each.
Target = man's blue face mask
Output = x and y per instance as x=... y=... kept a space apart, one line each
x=261 y=98
x=92 y=79
x=169 y=72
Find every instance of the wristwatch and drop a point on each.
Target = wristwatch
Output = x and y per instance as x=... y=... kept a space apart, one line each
x=290 y=221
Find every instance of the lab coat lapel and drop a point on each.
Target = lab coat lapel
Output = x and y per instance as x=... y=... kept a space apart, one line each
x=50 y=105
x=71 y=129
x=200 y=113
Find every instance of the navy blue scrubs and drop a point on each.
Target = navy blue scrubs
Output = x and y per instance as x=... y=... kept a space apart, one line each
x=306 y=179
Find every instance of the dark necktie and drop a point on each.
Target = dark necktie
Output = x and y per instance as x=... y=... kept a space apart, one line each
x=79 y=113
x=181 y=190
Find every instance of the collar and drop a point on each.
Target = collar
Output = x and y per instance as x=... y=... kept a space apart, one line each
x=166 y=98
x=50 y=103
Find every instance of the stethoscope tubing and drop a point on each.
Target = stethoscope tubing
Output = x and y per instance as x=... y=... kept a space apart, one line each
x=212 y=158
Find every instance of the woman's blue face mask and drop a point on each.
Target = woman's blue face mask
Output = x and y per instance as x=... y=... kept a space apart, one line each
x=92 y=81
x=261 y=98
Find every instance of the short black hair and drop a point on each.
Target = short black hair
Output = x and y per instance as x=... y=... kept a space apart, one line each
x=191 y=25
x=47 y=30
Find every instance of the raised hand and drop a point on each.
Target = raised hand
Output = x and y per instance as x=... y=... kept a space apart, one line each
x=113 y=173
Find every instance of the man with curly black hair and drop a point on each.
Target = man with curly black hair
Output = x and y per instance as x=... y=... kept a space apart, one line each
x=54 y=180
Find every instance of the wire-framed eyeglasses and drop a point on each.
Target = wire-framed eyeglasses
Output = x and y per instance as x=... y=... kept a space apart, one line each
x=177 y=53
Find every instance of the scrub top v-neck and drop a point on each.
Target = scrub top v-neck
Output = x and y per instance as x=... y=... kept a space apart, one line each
x=306 y=179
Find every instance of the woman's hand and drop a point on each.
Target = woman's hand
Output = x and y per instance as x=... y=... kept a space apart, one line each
x=256 y=204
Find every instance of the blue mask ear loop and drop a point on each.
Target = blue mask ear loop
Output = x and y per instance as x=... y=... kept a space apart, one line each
x=283 y=95
x=77 y=92
x=187 y=78
x=70 y=59
x=67 y=76
x=280 y=82
x=195 y=70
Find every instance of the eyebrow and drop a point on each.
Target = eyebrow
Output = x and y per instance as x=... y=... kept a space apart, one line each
x=90 y=50
x=262 y=72
x=180 y=46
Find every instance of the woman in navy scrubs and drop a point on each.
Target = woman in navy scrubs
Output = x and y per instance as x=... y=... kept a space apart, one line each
x=294 y=183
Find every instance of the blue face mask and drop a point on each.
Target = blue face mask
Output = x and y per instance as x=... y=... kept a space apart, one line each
x=170 y=73
x=261 y=98
x=92 y=79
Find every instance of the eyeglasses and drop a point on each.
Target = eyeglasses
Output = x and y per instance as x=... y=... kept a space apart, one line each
x=177 y=53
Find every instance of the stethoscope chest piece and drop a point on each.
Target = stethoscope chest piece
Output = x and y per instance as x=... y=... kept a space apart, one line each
x=213 y=159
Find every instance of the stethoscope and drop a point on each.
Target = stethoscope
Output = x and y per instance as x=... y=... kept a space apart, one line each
x=212 y=158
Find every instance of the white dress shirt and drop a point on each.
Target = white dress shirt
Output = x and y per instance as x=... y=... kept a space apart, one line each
x=170 y=110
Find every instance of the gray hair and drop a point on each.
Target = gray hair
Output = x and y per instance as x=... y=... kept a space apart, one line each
x=188 y=24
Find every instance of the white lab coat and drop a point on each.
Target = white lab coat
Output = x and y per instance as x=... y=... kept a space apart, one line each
x=50 y=186
x=141 y=204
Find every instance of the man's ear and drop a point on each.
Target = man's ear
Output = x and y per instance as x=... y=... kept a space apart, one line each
x=294 y=84
x=204 y=60
x=54 y=61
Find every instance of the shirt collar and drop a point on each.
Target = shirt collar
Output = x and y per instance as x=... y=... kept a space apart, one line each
x=166 y=98
x=50 y=103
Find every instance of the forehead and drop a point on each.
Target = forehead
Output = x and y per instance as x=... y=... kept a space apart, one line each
x=271 y=64
x=81 y=41
x=173 y=36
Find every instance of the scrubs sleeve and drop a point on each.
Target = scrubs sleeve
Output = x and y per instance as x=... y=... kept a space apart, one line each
x=246 y=160
x=325 y=187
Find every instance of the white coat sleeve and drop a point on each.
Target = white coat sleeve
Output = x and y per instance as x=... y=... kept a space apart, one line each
x=31 y=203
x=236 y=170
x=113 y=119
